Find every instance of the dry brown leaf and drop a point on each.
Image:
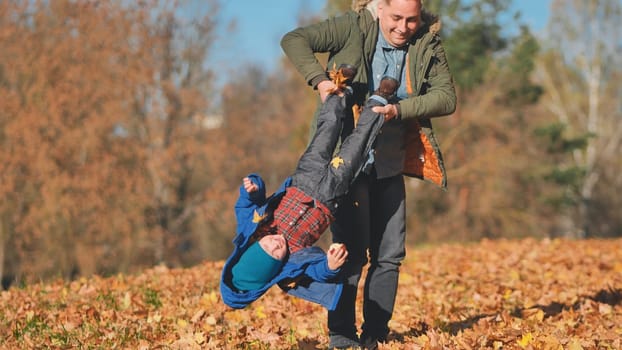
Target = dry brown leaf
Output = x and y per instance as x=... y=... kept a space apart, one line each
x=337 y=77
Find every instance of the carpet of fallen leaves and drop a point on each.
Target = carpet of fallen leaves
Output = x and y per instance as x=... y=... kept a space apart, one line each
x=522 y=294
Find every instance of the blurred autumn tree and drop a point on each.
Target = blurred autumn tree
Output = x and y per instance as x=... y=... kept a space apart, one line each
x=267 y=118
x=113 y=159
x=533 y=148
x=336 y=7
x=505 y=178
x=580 y=70
x=473 y=33
x=490 y=157
x=101 y=107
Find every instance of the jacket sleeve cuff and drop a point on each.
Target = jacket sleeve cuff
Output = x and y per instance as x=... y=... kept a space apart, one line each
x=330 y=274
x=399 y=110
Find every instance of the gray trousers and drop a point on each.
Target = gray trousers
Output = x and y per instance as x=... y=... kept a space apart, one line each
x=373 y=216
x=327 y=177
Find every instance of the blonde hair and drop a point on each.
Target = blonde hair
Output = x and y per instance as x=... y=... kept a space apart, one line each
x=358 y=5
x=372 y=6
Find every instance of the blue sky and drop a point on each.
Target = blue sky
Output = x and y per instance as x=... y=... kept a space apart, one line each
x=259 y=26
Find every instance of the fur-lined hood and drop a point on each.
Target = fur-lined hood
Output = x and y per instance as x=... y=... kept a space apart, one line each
x=430 y=20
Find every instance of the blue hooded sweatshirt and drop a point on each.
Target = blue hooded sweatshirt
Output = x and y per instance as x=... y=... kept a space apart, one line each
x=305 y=273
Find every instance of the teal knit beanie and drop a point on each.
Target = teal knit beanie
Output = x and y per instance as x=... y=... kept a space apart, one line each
x=255 y=268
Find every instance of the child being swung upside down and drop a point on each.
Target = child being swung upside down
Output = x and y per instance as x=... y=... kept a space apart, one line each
x=275 y=235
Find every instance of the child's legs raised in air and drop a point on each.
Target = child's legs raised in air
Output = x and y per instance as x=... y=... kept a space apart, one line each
x=313 y=163
x=353 y=152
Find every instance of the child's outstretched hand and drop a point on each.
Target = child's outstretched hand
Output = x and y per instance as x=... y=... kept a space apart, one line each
x=337 y=254
x=249 y=186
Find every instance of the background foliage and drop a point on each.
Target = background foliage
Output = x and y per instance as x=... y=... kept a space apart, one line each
x=118 y=153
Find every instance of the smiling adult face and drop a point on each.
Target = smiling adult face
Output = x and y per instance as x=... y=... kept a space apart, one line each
x=399 y=20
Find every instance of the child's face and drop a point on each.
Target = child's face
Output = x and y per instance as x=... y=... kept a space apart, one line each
x=274 y=245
